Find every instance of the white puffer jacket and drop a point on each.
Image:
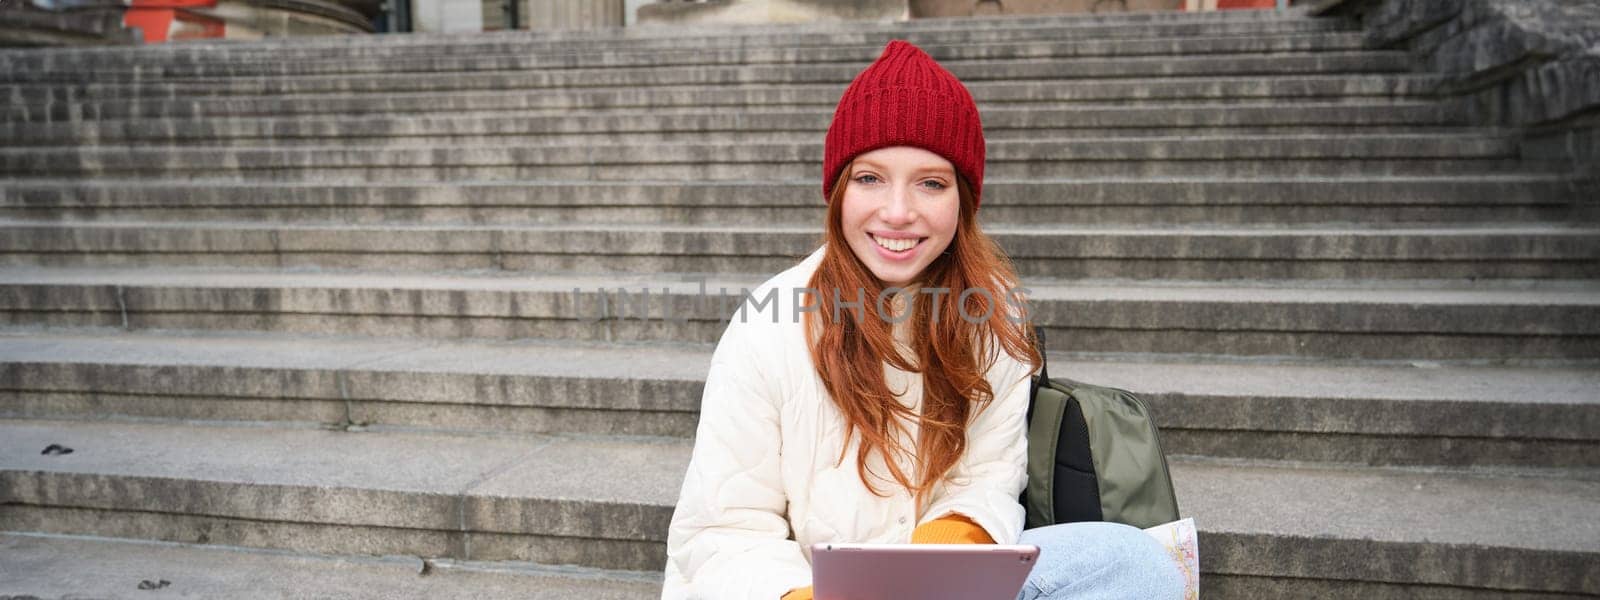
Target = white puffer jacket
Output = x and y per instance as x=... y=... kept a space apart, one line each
x=763 y=485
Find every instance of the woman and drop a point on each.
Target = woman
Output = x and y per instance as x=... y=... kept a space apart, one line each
x=876 y=392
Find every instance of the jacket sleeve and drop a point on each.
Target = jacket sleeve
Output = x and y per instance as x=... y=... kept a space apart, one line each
x=729 y=536
x=985 y=483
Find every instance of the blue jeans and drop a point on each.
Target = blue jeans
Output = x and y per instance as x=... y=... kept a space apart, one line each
x=1099 y=561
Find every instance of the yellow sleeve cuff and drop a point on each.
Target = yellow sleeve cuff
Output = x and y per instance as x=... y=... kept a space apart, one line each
x=950 y=529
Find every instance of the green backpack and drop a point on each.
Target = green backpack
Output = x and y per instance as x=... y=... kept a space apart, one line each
x=1093 y=455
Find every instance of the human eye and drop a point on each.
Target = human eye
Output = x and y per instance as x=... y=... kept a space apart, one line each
x=934 y=185
x=866 y=178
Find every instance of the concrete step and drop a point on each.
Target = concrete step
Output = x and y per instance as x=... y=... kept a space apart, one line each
x=642 y=127
x=1313 y=88
x=68 y=566
x=531 y=386
x=1302 y=531
x=1264 y=527
x=1491 y=321
x=1459 y=199
x=1230 y=156
x=962 y=32
x=1059 y=251
x=591 y=502
x=732 y=51
x=387 y=138
x=1319 y=63
x=1440 y=414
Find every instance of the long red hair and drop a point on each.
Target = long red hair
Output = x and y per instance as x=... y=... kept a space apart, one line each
x=952 y=353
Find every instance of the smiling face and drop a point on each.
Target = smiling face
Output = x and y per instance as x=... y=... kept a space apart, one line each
x=900 y=209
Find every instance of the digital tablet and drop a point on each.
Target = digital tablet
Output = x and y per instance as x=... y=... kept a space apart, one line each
x=920 y=571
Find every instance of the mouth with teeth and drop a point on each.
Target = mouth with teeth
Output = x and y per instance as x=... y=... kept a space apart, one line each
x=896 y=247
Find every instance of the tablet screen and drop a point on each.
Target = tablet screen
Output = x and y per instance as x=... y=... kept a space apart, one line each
x=920 y=571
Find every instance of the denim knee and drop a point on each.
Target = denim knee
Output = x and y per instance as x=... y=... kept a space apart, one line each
x=1098 y=560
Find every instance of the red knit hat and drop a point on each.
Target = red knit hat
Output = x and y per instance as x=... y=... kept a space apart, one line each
x=905 y=99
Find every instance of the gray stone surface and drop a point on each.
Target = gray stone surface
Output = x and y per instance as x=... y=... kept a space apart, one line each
x=1271 y=588
x=1404 y=450
x=1132 y=91
x=1428 y=414
x=712 y=76
x=51 y=566
x=1429 y=383
x=1391 y=505
x=1264 y=516
x=349 y=493
x=1428 y=527
x=512 y=387
x=338 y=539
x=1541 y=54
x=725 y=49
x=1364 y=320
x=633 y=126
x=1063 y=252
x=715 y=51
x=637 y=482
x=414 y=466
x=508 y=484
x=1422 y=154
x=1279 y=201
x=1511 y=63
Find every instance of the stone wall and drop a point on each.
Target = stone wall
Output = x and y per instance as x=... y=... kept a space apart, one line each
x=22 y=24
x=1530 y=64
x=572 y=14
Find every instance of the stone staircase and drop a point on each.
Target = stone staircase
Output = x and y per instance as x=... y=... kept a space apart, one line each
x=361 y=317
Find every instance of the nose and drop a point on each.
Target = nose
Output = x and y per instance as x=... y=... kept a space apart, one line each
x=899 y=210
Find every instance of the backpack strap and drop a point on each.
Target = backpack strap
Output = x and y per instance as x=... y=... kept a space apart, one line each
x=1044 y=363
x=1044 y=372
x=1044 y=437
x=1043 y=419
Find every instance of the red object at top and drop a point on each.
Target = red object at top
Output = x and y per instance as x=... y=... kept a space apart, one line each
x=1231 y=4
x=172 y=3
x=906 y=99
x=155 y=19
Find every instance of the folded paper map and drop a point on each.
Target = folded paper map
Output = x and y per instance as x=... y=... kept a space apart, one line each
x=1183 y=545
